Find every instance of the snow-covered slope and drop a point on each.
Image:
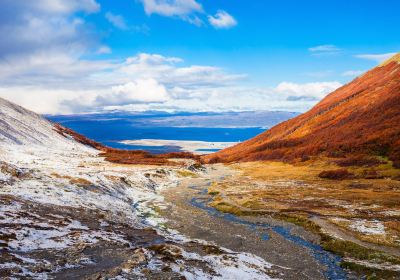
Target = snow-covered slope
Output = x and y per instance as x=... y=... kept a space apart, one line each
x=23 y=127
x=67 y=213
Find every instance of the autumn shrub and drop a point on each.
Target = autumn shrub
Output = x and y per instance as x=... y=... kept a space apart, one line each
x=359 y=161
x=371 y=174
x=338 y=174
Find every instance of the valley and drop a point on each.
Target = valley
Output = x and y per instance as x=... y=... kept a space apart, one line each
x=304 y=200
x=199 y=140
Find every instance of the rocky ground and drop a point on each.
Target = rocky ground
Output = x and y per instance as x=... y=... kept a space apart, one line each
x=65 y=213
x=187 y=213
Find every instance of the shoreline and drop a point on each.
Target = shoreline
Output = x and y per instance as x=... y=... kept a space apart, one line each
x=196 y=147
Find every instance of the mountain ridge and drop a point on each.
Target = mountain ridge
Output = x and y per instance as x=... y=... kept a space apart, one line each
x=358 y=118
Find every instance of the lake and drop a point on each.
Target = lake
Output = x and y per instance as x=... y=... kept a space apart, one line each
x=152 y=132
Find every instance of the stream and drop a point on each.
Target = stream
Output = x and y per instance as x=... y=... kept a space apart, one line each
x=327 y=259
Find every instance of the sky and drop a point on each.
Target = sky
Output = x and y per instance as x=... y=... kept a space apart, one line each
x=81 y=56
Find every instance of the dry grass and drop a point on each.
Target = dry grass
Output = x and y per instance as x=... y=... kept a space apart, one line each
x=73 y=180
x=294 y=193
x=286 y=189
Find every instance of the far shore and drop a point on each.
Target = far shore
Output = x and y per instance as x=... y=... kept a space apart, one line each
x=196 y=147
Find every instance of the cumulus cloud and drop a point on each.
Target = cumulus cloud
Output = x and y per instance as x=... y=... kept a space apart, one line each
x=139 y=91
x=376 y=57
x=147 y=82
x=324 y=50
x=222 y=20
x=43 y=67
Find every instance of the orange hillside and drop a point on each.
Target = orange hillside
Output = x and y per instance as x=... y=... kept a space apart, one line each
x=362 y=117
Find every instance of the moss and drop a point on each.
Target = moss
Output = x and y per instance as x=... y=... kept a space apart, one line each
x=187 y=173
x=370 y=273
x=213 y=192
x=350 y=249
x=300 y=221
x=227 y=208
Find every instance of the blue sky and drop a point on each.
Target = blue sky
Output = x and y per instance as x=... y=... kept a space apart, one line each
x=70 y=56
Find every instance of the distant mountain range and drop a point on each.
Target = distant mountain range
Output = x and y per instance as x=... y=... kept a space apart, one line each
x=362 y=117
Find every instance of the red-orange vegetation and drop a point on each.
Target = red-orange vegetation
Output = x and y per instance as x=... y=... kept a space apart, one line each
x=359 y=160
x=66 y=132
x=339 y=174
x=142 y=157
x=362 y=117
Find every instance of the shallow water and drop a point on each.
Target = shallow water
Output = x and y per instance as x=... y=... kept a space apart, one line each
x=327 y=259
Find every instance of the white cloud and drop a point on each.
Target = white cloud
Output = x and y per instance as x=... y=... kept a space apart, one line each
x=316 y=90
x=43 y=67
x=188 y=10
x=42 y=34
x=139 y=91
x=352 y=73
x=376 y=57
x=324 y=50
x=222 y=20
x=165 y=70
x=53 y=6
x=49 y=68
x=44 y=100
x=117 y=20
x=171 y=7
x=104 y=50
x=61 y=84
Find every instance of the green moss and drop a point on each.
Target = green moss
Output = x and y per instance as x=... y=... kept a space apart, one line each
x=227 y=208
x=350 y=249
x=213 y=192
x=187 y=173
x=300 y=221
x=370 y=273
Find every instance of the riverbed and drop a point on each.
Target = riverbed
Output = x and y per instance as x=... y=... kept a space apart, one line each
x=294 y=251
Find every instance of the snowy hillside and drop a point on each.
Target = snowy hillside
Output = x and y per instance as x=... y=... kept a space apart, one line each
x=24 y=127
x=65 y=213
